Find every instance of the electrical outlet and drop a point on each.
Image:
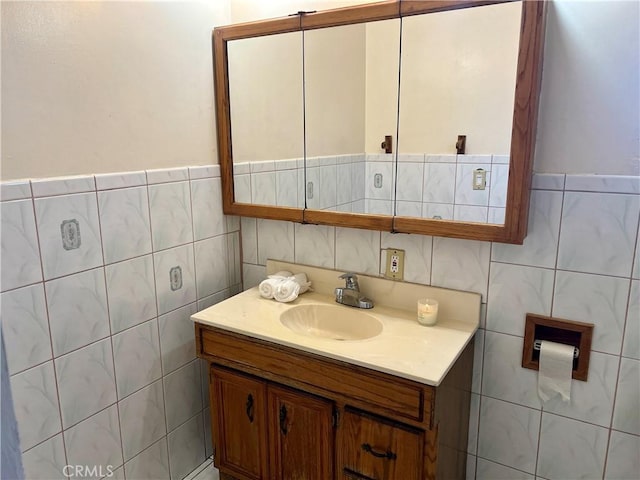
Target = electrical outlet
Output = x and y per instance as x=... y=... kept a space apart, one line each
x=395 y=264
x=479 y=179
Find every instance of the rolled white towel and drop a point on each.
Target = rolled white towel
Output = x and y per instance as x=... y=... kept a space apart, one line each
x=303 y=281
x=287 y=291
x=281 y=274
x=268 y=287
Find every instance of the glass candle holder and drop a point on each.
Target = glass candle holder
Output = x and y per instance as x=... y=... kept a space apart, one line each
x=427 y=311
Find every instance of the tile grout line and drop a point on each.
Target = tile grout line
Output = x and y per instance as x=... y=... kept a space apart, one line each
x=46 y=304
x=113 y=353
x=555 y=265
x=155 y=289
x=507 y=466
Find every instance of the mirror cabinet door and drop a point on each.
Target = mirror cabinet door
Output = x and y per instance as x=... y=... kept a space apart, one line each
x=351 y=103
x=458 y=77
x=266 y=112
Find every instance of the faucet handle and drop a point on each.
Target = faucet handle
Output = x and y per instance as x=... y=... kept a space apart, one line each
x=351 y=280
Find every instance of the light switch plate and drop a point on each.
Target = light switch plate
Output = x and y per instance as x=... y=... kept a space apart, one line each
x=395 y=264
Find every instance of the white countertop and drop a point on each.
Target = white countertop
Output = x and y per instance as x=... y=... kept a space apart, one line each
x=404 y=348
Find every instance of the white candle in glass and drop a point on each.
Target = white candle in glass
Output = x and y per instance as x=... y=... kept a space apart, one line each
x=427 y=311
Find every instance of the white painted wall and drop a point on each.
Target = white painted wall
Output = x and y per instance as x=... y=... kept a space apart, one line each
x=590 y=108
x=91 y=87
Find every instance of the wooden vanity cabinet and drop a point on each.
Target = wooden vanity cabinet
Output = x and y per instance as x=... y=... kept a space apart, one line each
x=282 y=413
x=251 y=416
x=300 y=435
x=239 y=417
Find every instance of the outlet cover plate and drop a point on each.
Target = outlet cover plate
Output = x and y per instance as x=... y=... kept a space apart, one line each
x=395 y=264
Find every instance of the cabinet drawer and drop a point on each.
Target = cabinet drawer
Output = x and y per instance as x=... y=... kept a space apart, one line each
x=280 y=363
x=375 y=448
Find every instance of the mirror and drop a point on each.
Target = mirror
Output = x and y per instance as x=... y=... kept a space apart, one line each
x=266 y=106
x=458 y=77
x=467 y=68
x=351 y=103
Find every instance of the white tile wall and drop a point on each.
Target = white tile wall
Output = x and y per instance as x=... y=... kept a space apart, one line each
x=596 y=299
x=516 y=437
x=186 y=447
x=46 y=460
x=131 y=292
x=86 y=382
x=171 y=220
x=36 y=404
x=25 y=327
x=508 y=434
x=515 y=290
x=77 y=306
x=461 y=265
x=151 y=463
x=19 y=234
x=431 y=185
x=570 y=449
x=494 y=471
x=136 y=353
x=95 y=441
x=513 y=435
x=126 y=227
x=598 y=233
x=100 y=348
x=51 y=214
x=623 y=461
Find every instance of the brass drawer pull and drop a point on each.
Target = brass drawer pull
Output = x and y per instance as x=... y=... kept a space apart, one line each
x=389 y=455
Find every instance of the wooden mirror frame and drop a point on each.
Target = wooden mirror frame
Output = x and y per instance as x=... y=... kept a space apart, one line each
x=523 y=136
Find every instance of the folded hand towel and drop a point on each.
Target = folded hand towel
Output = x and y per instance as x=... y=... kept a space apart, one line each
x=268 y=287
x=287 y=291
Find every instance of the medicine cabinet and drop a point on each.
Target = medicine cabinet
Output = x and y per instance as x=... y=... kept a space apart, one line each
x=309 y=105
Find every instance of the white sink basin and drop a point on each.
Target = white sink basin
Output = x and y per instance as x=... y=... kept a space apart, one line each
x=333 y=322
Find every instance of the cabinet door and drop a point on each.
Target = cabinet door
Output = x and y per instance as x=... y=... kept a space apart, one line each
x=378 y=449
x=301 y=435
x=240 y=421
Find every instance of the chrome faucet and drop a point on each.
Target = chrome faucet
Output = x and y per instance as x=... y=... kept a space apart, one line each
x=350 y=294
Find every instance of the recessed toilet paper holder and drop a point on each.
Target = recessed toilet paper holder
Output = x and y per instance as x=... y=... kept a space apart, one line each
x=538 y=343
x=558 y=330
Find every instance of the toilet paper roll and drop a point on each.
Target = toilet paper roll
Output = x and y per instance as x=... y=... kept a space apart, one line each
x=554 y=374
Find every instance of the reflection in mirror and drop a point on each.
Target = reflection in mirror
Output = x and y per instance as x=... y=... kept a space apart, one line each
x=458 y=77
x=351 y=95
x=266 y=104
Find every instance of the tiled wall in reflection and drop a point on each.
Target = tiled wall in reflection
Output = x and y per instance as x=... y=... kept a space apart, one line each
x=439 y=186
x=100 y=274
x=580 y=261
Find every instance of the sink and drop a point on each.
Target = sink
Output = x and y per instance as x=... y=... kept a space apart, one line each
x=331 y=321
